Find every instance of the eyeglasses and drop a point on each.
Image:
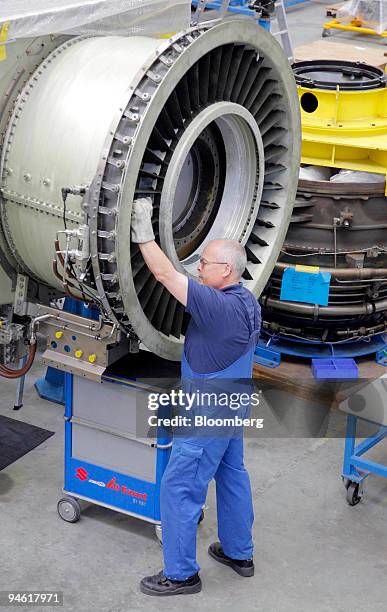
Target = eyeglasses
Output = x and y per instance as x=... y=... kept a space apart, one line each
x=205 y=262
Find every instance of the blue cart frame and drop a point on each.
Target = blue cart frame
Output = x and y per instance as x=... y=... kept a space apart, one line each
x=105 y=487
x=356 y=468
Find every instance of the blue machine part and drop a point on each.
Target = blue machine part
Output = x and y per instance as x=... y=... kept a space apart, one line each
x=381 y=357
x=78 y=307
x=318 y=350
x=102 y=484
x=51 y=386
x=241 y=7
x=266 y=357
x=290 y=3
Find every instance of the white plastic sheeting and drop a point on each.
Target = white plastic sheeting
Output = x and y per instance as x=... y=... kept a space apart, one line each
x=373 y=13
x=322 y=173
x=28 y=18
x=356 y=176
x=314 y=173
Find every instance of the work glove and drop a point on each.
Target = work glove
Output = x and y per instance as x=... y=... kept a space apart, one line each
x=142 y=230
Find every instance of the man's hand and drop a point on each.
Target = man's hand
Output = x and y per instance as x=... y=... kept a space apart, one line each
x=142 y=230
x=157 y=262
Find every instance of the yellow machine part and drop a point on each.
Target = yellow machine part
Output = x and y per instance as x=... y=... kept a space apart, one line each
x=344 y=129
x=355 y=25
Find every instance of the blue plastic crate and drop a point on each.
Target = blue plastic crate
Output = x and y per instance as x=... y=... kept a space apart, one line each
x=333 y=369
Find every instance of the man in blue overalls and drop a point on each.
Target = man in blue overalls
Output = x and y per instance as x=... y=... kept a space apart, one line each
x=219 y=344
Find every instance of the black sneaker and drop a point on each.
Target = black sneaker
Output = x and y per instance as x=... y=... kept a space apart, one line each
x=243 y=567
x=160 y=585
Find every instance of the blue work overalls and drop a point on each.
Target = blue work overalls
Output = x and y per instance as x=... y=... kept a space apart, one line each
x=193 y=463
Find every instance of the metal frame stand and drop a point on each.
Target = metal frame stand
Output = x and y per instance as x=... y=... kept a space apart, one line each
x=356 y=25
x=20 y=386
x=51 y=386
x=356 y=468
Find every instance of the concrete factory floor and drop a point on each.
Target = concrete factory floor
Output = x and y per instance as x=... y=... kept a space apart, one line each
x=313 y=552
x=306 y=22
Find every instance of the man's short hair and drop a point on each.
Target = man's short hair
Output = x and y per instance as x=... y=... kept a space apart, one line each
x=234 y=253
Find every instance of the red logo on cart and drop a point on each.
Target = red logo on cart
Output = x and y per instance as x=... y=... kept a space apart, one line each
x=115 y=486
x=81 y=474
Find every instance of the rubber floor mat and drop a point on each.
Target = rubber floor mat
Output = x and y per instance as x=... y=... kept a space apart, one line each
x=18 y=438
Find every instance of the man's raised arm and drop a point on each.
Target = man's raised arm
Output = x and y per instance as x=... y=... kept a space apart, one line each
x=157 y=262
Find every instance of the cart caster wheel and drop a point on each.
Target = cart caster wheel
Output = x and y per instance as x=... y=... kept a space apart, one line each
x=69 y=509
x=159 y=534
x=354 y=493
x=326 y=33
x=201 y=517
x=346 y=483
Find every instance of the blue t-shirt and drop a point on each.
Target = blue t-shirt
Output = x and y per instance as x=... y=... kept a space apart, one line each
x=222 y=321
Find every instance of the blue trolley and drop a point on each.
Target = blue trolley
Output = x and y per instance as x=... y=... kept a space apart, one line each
x=109 y=458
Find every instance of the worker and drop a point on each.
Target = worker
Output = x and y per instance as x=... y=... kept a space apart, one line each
x=219 y=343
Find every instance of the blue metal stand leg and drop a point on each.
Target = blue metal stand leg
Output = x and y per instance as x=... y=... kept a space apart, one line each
x=51 y=386
x=353 y=480
x=356 y=468
x=350 y=440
